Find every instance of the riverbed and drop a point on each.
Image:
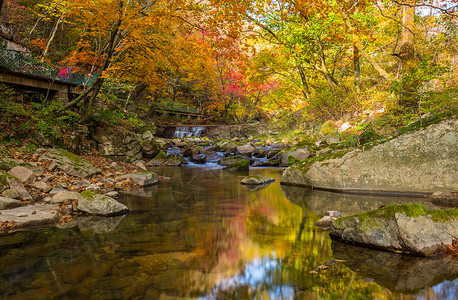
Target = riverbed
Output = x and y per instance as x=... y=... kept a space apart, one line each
x=200 y=234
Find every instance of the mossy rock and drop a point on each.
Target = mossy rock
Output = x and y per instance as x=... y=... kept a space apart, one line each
x=96 y=204
x=70 y=163
x=243 y=165
x=159 y=159
x=231 y=160
x=369 y=136
x=407 y=228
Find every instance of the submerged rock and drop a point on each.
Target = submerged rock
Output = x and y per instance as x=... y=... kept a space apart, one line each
x=407 y=228
x=70 y=163
x=257 y=180
x=93 y=203
x=421 y=161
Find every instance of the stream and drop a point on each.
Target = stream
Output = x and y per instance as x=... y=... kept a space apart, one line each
x=200 y=234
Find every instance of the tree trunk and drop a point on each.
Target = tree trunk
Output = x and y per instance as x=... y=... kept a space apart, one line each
x=406 y=52
x=51 y=38
x=97 y=84
x=356 y=66
x=364 y=54
x=305 y=86
x=1 y=5
x=407 y=49
x=150 y=111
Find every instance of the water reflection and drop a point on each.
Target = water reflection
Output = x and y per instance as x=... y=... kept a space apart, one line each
x=202 y=235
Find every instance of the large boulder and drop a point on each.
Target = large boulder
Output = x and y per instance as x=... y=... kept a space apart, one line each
x=144 y=178
x=93 y=203
x=117 y=144
x=149 y=147
x=407 y=228
x=70 y=163
x=422 y=161
x=291 y=156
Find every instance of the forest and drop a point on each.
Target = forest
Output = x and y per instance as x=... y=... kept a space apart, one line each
x=288 y=62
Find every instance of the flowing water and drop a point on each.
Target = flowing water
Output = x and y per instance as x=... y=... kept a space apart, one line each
x=201 y=235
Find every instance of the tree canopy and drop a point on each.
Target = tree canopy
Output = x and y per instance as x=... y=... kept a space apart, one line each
x=246 y=60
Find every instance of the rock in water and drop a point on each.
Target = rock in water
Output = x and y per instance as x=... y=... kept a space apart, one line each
x=144 y=178
x=159 y=159
x=257 y=180
x=70 y=163
x=422 y=161
x=326 y=221
x=407 y=228
x=93 y=203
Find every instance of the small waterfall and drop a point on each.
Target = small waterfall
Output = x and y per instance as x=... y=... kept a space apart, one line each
x=184 y=131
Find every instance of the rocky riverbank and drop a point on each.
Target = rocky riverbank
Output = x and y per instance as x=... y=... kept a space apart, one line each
x=422 y=161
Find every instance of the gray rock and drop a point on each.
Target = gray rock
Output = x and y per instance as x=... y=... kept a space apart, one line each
x=245 y=149
x=31 y=216
x=62 y=197
x=407 y=228
x=7 y=203
x=19 y=187
x=257 y=180
x=144 y=178
x=140 y=165
x=112 y=194
x=56 y=190
x=70 y=163
x=10 y=193
x=93 y=188
x=24 y=175
x=228 y=146
x=420 y=161
x=297 y=154
x=97 y=204
x=116 y=144
x=42 y=186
